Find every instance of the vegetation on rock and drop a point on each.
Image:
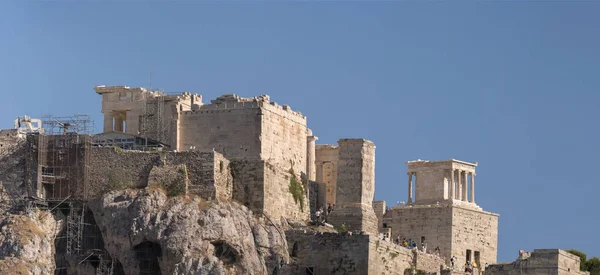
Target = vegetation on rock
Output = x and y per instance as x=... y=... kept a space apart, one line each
x=592 y=265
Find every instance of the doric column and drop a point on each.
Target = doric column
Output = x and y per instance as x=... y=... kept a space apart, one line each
x=118 y=124
x=409 y=187
x=464 y=188
x=451 y=185
x=472 y=187
x=108 y=122
x=311 y=167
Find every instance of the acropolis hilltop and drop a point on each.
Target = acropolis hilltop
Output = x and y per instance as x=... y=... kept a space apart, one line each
x=174 y=185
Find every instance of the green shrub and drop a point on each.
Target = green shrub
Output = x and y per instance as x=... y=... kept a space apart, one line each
x=297 y=191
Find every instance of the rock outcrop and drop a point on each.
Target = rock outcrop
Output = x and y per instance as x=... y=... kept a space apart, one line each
x=187 y=235
x=27 y=243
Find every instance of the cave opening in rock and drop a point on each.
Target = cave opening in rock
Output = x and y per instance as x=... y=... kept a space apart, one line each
x=295 y=250
x=147 y=254
x=225 y=253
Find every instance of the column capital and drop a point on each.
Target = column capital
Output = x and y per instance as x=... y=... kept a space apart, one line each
x=312 y=138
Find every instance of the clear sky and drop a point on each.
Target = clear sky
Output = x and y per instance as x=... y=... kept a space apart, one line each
x=513 y=85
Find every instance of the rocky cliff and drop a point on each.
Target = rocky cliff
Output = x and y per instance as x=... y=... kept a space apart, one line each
x=145 y=229
x=27 y=243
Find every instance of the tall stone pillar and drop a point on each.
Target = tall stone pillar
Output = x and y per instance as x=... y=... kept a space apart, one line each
x=108 y=122
x=459 y=185
x=118 y=125
x=464 y=188
x=472 y=187
x=451 y=183
x=311 y=166
x=355 y=188
x=410 y=187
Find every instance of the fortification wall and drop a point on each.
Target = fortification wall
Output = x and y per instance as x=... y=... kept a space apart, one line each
x=233 y=132
x=286 y=194
x=284 y=137
x=341 y=253
x=114 y=169
x=413 y=222
x=248 y=183
x=541 y=261
x=266 y=188
x=476 y=231
x=327 y=161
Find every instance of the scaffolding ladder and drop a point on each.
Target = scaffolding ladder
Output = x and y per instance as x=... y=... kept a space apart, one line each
x=75 y=229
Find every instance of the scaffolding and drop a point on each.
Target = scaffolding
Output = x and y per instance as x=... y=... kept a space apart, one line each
x=153 y=124
x=63 y=157
x=80 y=242
x=75 y=124
x=75 y=224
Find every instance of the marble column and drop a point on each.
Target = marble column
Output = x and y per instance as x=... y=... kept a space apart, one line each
x=451 y=185
x=311 y=166
x=464 y=188
x=459 y=185
x=410 y=187
x=472 y=187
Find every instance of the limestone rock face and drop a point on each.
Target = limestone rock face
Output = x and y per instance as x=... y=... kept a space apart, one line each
x=187 y=235
x=27 y=243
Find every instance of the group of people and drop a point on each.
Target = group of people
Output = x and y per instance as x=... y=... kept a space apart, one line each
x=321 y=214
x=469 y=266
x=410 y=244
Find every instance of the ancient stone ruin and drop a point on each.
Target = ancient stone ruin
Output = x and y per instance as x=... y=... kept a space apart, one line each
x=236 y=186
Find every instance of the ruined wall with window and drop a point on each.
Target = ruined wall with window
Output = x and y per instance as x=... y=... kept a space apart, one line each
x=474 y=235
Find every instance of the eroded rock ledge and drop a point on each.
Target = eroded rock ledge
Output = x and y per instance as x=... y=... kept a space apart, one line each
x=187 y=235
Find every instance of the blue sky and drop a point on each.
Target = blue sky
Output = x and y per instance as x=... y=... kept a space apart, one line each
x=512 y=85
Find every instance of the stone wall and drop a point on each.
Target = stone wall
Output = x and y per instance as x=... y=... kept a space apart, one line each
x=328 y=253
x=248 y=183
x=476 y=231
x=280 y=199
x=541 y=261
x=265 y=189
x=379 y=208
x=339 y=253
x=240 y=128
x=327 y=159
x=414 y=222
x=116 y=169
x=451 y=228
x=233 y=131
x=284 y=137
x=355 y=187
